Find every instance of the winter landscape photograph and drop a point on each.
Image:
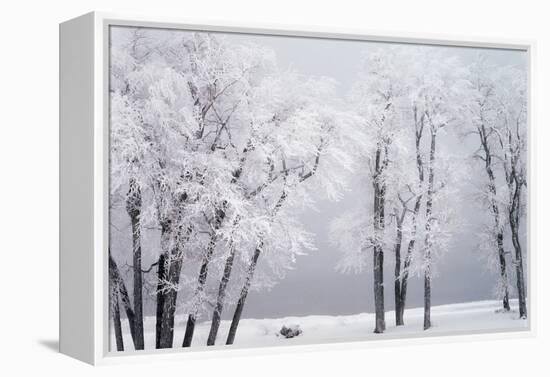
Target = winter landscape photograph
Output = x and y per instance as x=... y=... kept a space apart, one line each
x=275 y=190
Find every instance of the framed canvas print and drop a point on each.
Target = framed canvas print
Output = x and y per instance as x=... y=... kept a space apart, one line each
x=226 y=188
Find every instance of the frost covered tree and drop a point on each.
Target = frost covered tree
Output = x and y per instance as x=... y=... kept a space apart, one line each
x=131 y=136
x=303 y=140
x=483 y=112
x=376 y=98
x=407 y=180
x=511 y=130
x=439 y=98
x=224 y=100
x=269 y=106
x=168 y=112
x=404 y=106
x=497 y=114
x=204 y=134
x=127 y=159
x=405 y=202
x=408 y=223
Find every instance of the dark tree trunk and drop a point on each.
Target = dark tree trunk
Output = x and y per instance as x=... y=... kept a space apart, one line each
x=163 y=337
x=407 y=263
x=499 y=232
x=378 y=291
x=252 y=268
x=189 y=330
x=520 y=279
x=503 y=272
x=133 y=207
x=404 y=283
x=501 y=257
x=427 y=300
x=191 y=319
x=514 y=227
x=161 y=276
x=397 y=287
x=216 y=317
x=118 y=284
x=203 y=274
x=242 y=297
x=116 y=320
x=428 y=241
x=378 y=254
x=419 y=129
x=382 y=312
x=169 y=304
x=170 y=263
x=397 y=272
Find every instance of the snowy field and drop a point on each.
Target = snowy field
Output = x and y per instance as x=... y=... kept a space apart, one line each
x=480 y=316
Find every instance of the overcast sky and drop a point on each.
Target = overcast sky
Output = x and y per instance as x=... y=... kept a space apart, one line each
x=314 y=287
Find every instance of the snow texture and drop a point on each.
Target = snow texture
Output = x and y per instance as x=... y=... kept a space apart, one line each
x=464 y=318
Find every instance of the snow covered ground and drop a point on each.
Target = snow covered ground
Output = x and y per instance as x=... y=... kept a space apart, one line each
x=480 y=316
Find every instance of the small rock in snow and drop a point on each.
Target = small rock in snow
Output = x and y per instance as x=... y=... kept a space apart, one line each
x=290 y=331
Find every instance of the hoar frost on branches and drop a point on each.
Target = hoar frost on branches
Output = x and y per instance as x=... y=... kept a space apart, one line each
x=219 y=141
x=401 y=103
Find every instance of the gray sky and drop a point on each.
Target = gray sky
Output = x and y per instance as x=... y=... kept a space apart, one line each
x=314 y=287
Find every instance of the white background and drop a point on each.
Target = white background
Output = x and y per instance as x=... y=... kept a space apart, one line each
x=29 y=184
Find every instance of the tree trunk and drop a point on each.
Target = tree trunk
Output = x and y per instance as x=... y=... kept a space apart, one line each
x=514 y=227
x=428 y=240
x=250 y=274
x=160 y=298
x=419 y=129
x=169 y=304
x=397 y=287
x=163 y=338
x=408 y=260
x=133 y=207
x=503 y=272
x=427 y=300
x=397 y=272
x=405 y=281
x=520 y=280
x=499 y=233
x=203 y=274
x=169 y=268
x=191 y=319
x=216 y=317
x=378 y=254
x=243 y=295
x=115 y=310
x=378 y=291
x=381 y=311
x=118 y=284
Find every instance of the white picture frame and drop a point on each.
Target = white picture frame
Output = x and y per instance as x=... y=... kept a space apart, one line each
x=84 y=150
